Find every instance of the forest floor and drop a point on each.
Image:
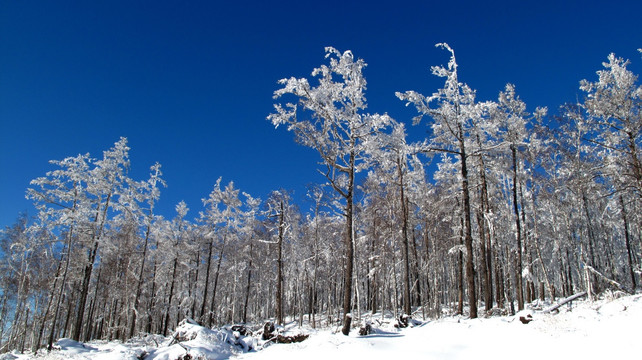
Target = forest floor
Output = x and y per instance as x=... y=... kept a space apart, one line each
x=605 y=328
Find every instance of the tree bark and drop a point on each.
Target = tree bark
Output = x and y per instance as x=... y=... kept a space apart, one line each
x=207 y=280
x=139 y=286
x=460 y=270
x=518 y=265
x=89 y=267
x=83 y=293
x=591 y=241
x=218 y=269
x=349 y=246
x=484 y=234
x=279 y=263
x=249 y=282
x=404 y=239
x=627 y=238
x=468 y=235
x=169 y=299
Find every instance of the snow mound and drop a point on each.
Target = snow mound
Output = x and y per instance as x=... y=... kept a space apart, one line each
x=192 y=341
x=603 y=329
x=99 y=350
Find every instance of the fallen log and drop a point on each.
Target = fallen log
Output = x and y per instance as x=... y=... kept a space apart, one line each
x=567 y=300
x=280 y=339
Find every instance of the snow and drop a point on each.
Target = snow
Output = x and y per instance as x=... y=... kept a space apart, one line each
x=606 y=328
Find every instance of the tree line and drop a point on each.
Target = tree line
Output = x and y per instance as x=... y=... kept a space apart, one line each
x=521 y=207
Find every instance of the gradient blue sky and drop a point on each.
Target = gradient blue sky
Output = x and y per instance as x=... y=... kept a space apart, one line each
x=190 y=83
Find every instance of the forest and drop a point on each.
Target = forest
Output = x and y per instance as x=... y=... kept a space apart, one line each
x=501 y=204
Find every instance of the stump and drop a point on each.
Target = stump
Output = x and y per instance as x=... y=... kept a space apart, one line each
x=366 y=329
x=402 y=322
x=291 y=339
x=526 y=319
x=268 y=330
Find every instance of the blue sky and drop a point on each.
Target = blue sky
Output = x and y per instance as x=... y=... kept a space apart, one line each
x=190 y=83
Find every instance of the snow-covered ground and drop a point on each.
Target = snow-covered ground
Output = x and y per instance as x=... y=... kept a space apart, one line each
x=604 y=329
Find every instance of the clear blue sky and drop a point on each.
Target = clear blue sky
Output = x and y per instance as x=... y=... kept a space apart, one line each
x=190 y=83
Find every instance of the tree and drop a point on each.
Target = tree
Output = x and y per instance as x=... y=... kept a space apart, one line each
x=279 y=208
x=512 y=112
x=175 y=236
x=337 y=129
x=149 y=193
x=58 y=196
x=248 y=230
x=615 y=105
x=78 y=199
x=454 y=113
x=392 y=156
x=221 y=219
x=104 y=186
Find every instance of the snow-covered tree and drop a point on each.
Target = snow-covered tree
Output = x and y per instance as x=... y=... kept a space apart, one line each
x=615 y=105
x=453 y=114
x=330 y=118
x=148 y=193
x=220 y=218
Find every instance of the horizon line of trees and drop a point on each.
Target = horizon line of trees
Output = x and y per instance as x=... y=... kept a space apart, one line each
x=522 y=207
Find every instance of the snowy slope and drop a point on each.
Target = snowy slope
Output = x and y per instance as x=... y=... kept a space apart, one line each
x=599 y=330
x=603 y=329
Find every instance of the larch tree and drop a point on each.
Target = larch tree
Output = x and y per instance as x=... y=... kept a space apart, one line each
x=614 y=106
x=172 y=243
x=392 y=156
x=512 y=115
x=279 y=204
x=453 y=114
x=149 y=193
x=58 y=197
x=104 y=186
x=221 y=219
x=336 y=126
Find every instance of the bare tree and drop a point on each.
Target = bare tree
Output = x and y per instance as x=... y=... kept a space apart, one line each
x=337 y=129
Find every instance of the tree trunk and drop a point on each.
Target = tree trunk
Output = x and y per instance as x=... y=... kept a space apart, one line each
x=249 y=282
x=468 y=235
x=482 y=250
x=484 y=234
x=218 y=269
x=416 y=283
x=279 y=262
x=52 y=295
x=207 y=280
x=627 y=238
x=70 y=308
x=152 y=300
x=316 y=267
x=460 y=271
x=404 y=239
x=83 y=293
x=518 y=265
x=591 y=241
x=89 y=267
x=349 y=251
x=60 y=293
x=195 y=284
x=92 y=307
x=169 y=299
x=139 y=286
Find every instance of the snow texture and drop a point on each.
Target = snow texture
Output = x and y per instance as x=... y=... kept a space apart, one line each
x=604 y=329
